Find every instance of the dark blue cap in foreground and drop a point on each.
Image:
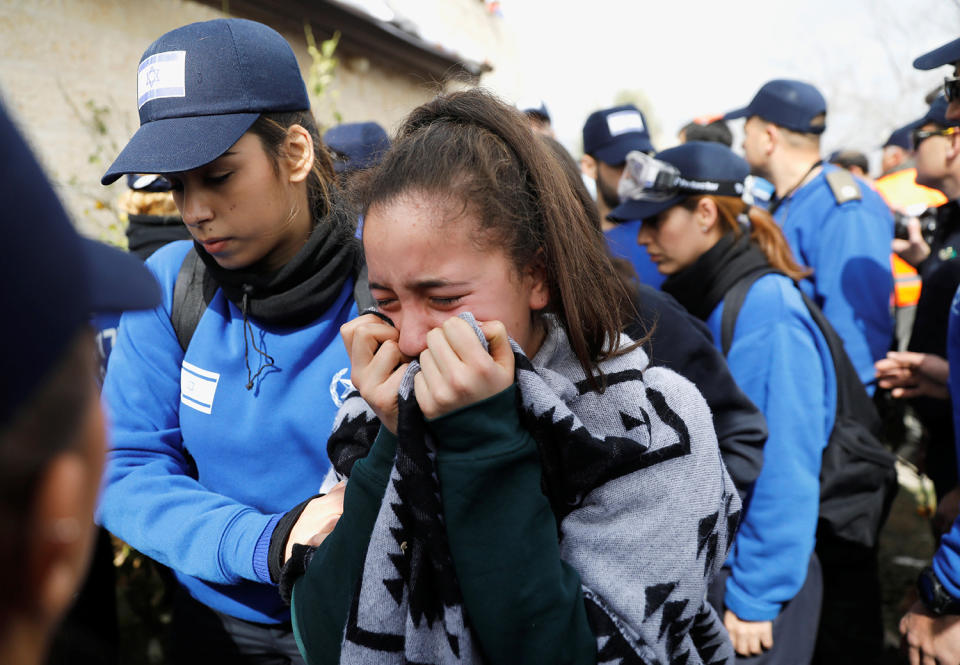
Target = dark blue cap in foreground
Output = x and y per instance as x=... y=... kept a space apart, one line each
x=609 y=134
x=361 y=143
x=53 y=280
x=201 y=87
x=947 y=54
x=707 y=167
x=789 y=104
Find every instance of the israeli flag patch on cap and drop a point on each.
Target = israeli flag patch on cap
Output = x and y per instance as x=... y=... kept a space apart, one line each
x=161 y=75
x=622 y=122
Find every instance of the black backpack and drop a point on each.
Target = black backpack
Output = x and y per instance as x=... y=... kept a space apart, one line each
x=858 y=480
x=195 y=288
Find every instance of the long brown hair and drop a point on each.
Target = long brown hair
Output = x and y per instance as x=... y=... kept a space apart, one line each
x=764 y=232
x=472 y=148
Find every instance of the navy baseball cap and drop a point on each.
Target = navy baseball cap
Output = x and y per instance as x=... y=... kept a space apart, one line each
x=789 y=104
x=609 y=134
x=937 y=114
x=53 y=280
x=701 y=167
x=361 y=143
x=947 y=54
x=900 y=137
x=201 y=87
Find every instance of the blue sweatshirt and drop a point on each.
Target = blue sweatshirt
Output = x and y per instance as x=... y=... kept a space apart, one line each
x=848 y=247
x=257 y=453
x=780 y=359
x=622 y=241
x=946 y=560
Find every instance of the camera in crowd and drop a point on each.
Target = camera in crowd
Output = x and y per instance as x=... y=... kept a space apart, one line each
x=928 y=222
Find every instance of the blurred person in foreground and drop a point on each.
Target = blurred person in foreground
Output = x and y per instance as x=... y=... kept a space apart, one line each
x=52 y=431
x=608 y=135
x=835 y=225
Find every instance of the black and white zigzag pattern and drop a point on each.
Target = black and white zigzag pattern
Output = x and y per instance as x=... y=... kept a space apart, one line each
x=645 y=508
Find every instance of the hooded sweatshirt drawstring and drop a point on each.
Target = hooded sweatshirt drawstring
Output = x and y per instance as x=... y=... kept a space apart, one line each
x=247 y=289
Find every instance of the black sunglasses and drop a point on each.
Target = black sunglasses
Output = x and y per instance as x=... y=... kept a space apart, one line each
x=918 y=136
x=951 y=88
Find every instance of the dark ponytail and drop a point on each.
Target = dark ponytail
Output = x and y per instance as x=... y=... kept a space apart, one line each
x=478 y=152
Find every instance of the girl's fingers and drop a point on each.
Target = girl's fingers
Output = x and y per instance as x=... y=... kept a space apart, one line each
x=446 y=359
x=349 y=329
x=499 y=343
x=464 y=342
x=424 y=397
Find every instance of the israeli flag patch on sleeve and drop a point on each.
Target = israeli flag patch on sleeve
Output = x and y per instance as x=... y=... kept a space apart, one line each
x=162 y=75
x=197 y=387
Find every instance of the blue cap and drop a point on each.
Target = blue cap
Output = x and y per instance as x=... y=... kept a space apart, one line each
x=947 y=54
x=609 y=134
x=707 y=163
x=534 y=107
x=362 y=143
x=53 y=280
x=900 y=137
x=201 y=87
x=789 y=104
x=937 y=114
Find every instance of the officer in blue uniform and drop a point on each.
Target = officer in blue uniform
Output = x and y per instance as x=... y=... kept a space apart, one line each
x=835 y=224
x=608 y=135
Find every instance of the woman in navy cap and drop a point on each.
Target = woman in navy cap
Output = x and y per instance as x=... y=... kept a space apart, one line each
x=223 y=397
x=702 y=235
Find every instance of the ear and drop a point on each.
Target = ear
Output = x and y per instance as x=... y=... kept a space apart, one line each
x=588 y=166
x=953 y=150
x=772 y=137
x=706 y=214
x=60 y=539
x=536 y=274
x=299 y=155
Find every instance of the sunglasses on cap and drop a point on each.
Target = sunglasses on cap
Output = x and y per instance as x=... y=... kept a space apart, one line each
x=646 y=178
x=918 y=136
x=951 y=88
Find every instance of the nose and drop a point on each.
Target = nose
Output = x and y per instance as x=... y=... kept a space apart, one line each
x=643 y=235
x=413 y=328
x=194 y=207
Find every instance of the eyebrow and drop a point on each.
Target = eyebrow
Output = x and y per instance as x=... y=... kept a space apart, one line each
x=421 y=285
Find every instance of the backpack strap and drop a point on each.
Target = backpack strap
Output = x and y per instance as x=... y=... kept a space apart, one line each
x=192 y=292
x=844 y=186
x=852 y=397
x=732 y=302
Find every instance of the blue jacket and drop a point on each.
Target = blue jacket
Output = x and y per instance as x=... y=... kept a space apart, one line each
x=946 y=561
x=781 y=360
x=848 y=247
x=200 y=469
x=622 y=241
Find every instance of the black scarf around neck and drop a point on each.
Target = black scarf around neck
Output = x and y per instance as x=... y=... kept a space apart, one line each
x=307 y=285
x=701 y=286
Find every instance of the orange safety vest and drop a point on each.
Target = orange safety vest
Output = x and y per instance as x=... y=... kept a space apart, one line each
x=906 y=283
x=900 y=190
